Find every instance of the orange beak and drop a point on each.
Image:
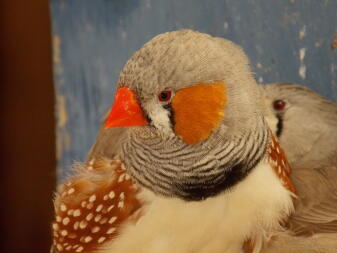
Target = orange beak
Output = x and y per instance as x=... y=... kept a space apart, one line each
x=126 y=110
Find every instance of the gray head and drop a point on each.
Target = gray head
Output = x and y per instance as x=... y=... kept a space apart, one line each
x=304 y=121
x=197 y=126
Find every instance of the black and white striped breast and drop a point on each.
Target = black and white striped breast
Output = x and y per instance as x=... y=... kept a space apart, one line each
x=172 y=168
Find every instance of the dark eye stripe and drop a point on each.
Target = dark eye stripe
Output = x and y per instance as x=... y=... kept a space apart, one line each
x=169 y=108
x=279 y=126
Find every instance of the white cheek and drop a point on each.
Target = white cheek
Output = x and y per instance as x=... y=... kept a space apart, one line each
x=160 y=118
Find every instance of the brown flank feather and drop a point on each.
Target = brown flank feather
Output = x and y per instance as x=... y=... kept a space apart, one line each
x=91 y=206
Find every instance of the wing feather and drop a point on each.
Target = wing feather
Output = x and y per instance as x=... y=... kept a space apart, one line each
x=316 y=206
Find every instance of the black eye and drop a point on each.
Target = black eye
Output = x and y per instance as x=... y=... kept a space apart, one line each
x=279 y=105
x=165 y=95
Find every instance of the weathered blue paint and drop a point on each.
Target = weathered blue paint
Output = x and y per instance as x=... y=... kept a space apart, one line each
x=285 y=40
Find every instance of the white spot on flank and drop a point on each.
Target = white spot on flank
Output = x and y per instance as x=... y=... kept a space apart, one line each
x=111 y=195
x=105 y=197
x=66 y=221
x=110 y=208
x=83 y=203
x=92 y=198
x=110 y=231
x=90 y=205
x=120 y=204
x=55 y=226
x=99 y=208
x=71 y=191
x=70 y=212
x=89 y=216
x=112 y=219
x=122 y=196
x=302 y=32
x=79 y=249
x=103 y=221
x=98 y=218
x=83 y=224
x=58 y=218
x=69 y=248
x=101 y=239
x=77 y=213
x=59 y=247
x=63 y=207
x=87 y=239
x=95 y=229
x=64 y=232
x=76 y=224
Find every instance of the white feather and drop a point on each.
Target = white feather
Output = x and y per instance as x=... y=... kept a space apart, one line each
x=252 y=209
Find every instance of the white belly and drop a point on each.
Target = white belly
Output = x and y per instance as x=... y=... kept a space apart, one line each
x=252 y=209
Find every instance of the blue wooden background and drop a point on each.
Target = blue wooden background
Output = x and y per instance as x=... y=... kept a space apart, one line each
x=285 y=40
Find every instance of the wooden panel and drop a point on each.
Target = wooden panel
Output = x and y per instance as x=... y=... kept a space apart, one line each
x=27 y=127
x=285 y=40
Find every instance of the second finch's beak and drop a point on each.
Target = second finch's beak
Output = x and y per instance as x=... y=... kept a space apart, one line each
x=125 y=110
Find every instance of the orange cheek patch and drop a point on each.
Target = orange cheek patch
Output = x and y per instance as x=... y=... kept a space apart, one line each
x=198 y=110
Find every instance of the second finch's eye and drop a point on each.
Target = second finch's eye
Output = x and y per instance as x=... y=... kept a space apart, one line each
x=279 y=105
x=165 y=95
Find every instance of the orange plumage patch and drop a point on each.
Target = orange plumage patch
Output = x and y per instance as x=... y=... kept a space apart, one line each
x=92 y=206
x=198 y=110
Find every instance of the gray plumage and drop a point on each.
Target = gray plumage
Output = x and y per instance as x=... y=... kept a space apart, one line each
x=309 y=137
